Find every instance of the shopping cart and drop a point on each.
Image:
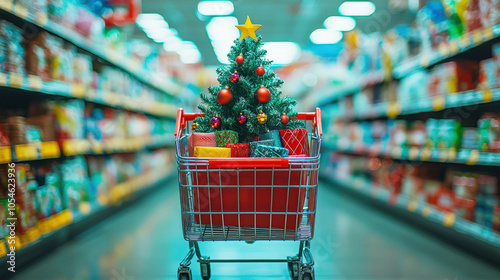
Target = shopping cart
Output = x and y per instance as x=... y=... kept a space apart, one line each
x=248 y=199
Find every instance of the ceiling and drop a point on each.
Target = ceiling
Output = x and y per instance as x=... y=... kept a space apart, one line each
x=282 y=20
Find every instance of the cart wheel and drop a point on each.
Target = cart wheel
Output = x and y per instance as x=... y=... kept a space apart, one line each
x=184 y=274
x=205 y=271
x=293 y=270
x=307 y=276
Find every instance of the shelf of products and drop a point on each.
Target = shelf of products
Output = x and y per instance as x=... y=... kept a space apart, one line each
x=468 y=157
x=462 y=83
x=463 y=201
x=51 y=196
x=365 y=80
x=440 y=140
x=107 y=98
x=447 y=50
x=72 y=127
x=59 y=23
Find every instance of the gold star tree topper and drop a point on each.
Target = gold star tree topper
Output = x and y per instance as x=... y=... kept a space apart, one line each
x=248 y=29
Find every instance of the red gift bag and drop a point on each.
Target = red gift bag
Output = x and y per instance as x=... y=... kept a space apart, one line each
x=295 y=140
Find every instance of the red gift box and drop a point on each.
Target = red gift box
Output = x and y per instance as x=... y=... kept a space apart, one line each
x=200 y=140
x=239 y=149
x=295 y=140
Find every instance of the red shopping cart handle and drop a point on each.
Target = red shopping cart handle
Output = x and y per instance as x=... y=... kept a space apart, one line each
x=247 y=163
x=183 y=118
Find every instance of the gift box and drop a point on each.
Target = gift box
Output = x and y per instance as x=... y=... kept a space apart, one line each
x=200 y=140
x=295 y=140
x=254 y=144
x=224 y=137
x=273 y=135
x=212 y=152
x=239 y=149
x=264 y=151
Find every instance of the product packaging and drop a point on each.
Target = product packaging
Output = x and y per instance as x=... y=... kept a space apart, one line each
x=295 y=140
x=224 y=137
x=211 y=152
x=196 y=139
x=239 y=149
x=263 y=151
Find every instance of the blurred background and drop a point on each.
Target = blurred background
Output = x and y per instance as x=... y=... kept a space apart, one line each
x=409 y=91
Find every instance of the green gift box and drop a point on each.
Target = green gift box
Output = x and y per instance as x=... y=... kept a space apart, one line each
x=224 y=137
x=274 y=135
x=253 y=145
x=263 y=151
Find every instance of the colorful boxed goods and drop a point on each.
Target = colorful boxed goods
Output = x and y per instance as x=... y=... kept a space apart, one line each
x=224 y=137
x=239 y=149
x=12 y=58
x=470 y=139
x=75 y=185
x=48 y=194
x=212 y=152
x=489 y=132
x=295 y=140
x=4 y=214
x=4 y=139
x=69 y=119
x=264 y=151
x=489 y=74
x=16 y=130
x=452 y=77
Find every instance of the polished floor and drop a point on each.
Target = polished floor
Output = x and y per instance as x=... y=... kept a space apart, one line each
x=352 y=241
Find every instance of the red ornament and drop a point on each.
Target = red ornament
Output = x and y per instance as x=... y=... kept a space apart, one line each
x=242 y=118
x=263 y=94
x=260 y=71
x=224 y=96
x=285 y=119
x=240 y=59
x=234 y=77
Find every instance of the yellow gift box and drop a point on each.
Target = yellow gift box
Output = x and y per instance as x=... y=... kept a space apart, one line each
x=212 y=152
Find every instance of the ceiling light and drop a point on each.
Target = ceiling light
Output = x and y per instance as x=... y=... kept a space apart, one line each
x=282 y=53
x=151 y=21
x=222 y=29
x=173 y=45
x=189 y=56
x=357 y=8
x=159 y=34
x=340 y=23
x=215 y=8
x=326 y=36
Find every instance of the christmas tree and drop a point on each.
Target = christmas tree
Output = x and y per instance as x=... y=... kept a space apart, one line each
x=247 y=99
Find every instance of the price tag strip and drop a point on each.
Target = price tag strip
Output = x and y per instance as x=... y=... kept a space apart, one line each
x=50 y=150
x=5 y=155
x=26 y=152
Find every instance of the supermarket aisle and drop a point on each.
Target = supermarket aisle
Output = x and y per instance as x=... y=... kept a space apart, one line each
x=352 y=242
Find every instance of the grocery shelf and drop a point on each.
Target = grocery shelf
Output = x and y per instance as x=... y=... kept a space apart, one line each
x=57 y=88
x=73 y=147
x=438 y=103
x=52 y=149
x=450 y=220
x=61 y=227
x=456 y=46
x=365 y=80
x=464 y=156
x=111 y=56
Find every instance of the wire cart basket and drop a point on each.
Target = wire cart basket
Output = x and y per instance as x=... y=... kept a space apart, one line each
x=248 y=199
